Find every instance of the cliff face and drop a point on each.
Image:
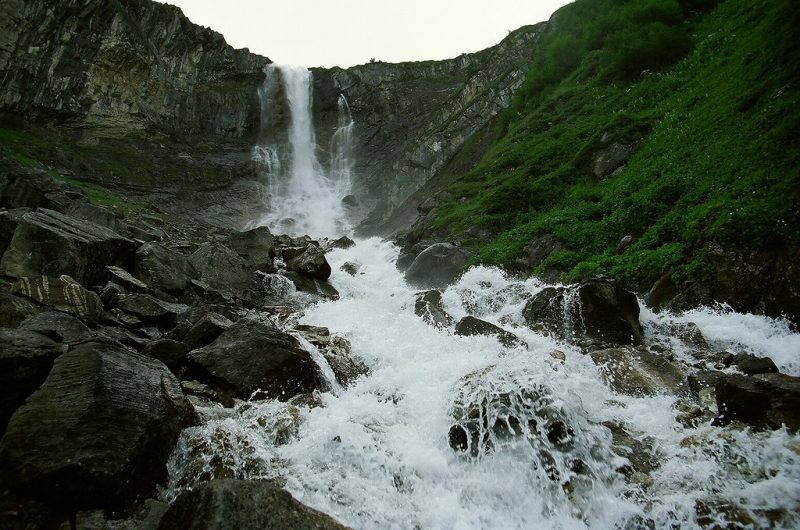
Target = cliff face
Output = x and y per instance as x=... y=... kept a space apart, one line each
x=412 y=118
x=110 y=68
x=174 y=102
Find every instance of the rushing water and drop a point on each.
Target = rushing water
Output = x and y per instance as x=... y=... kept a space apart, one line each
x=377 y=455
x=303 y=197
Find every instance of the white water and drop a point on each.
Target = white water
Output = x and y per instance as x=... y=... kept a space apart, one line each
x=376 y=454
x=303 y=198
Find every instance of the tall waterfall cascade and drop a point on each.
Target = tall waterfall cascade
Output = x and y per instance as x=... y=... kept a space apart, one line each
x=304 y=195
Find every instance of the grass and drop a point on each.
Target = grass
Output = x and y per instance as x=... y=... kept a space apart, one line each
x=717 y=161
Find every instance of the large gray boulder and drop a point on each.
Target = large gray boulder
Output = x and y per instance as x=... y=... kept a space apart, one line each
x=600 y=310
x=252 y=355
x=49 y=243
x=437 y=266
x=221 y=268
x=638 y=371
x=308 y=260
x=255 y=246
x=162 y=268
x=244 y=504
x=97 y=433
x=64 y=294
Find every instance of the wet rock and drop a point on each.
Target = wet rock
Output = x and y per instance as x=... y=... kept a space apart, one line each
x=61 y=327
x=206 y=330
x=470 y=325
x=228 y=503
x=350 y=267
x=221 y=268
x=718 y=513
x=661 y=293
x=256 y=246
x=97 y=433
x=337 y=351
x=762 y=401
x=437 y=266
x=309 y=261
x=752 y=365
x=430 y=307
x=151 y=310
x=311 y=285
x=640 y=453
x=64 y=294
x=15 y=309
x=170 y=352
x=147 y=517
x=251 y=355
x=638 y=371
x=25 y=360
x=162 y=268
x=52 y=244
x=598 y=309
x=343 y=242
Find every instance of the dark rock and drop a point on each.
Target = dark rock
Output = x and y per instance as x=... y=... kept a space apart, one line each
x=309 y=261
x=170 y=352
x=20 y=513
x=26 y=187
x=126 y=279
x=59 y=326
x=350 y=268
x=429 y=306
x=98 y=432
x=51 y=244
x=92 y=213
x=470 y=325
x=222 y=504
x=163 y=268
x=752 y=365
x=596 y=309
x=311 y=285
x=110 y=294
x=437 y=266
x=625 y=243
x=762 y=401
x=639 y=453
x=64 y=294
x=206 y=330
x=222 y=268
x=638 y=371
x=661 y=293
x=251 y=355
x=716 y=513
x=255 y=246
x=25 y=360
x=14 y=309
x=9 y=219
x=337 y=351
x=537 y=250
x=343 y=242
x=704 y=379
x=147 y=517
x=151 y=310
x=611 y=158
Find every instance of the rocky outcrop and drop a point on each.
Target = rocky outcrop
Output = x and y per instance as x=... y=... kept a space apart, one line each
x=97 y=433
x=437 y=266
x=763 y=401
x=222 y=504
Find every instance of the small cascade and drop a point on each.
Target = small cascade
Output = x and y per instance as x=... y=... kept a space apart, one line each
x=302 y=197
x=322 y=363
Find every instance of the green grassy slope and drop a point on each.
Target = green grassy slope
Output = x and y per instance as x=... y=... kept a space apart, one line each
x=715 y=117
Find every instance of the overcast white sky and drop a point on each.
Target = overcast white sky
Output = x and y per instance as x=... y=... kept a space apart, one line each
x=348 y=32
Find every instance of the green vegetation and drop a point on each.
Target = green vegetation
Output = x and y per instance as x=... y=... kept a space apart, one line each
x=708 y=97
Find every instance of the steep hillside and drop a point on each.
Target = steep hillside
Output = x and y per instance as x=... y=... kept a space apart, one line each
x=649 y=138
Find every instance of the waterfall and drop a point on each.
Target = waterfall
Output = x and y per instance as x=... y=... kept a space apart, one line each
x=301 y=197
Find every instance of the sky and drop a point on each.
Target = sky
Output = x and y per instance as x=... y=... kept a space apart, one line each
x=349 y=32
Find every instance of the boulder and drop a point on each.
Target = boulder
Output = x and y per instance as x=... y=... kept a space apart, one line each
x=92 y=213
x=52 y=244
x=638 y=371
x=256 y=246
x=311 y=285
x=221 y=268
x=97 y=433
x=26 y=187
x=206 y=330
x=227 y=503
x=437 y=266
x=350 y=267
x=611 y=158
x=9 y=219
x=15 y=309
x=61 y=327
x=126 y=279
x=25 y=360
x=64 y=294
x=752 y=365
x=150 y=309
x=429 y=306
x=170 y=352
x=596 y=309
x=163 y=268
x=343 y=242
x=337 y=351
x=470 y=325
x=309 y=261
x=661 y=293
x=252 y=355
x=640 y=454
x=762 y=401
